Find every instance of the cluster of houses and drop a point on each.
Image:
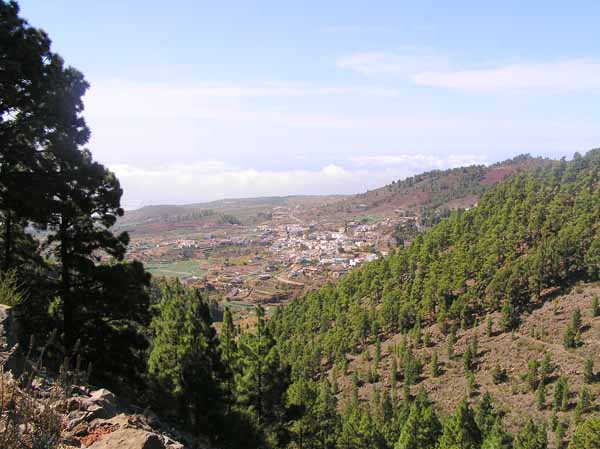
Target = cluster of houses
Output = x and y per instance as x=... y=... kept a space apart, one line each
x=291 y=255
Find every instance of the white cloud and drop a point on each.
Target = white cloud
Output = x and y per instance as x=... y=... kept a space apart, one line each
x=405 y=61
x=427 y=67
x=204 y=90
x=211 y=180
x=148 y=131
x=420 y=161
x=572 y=74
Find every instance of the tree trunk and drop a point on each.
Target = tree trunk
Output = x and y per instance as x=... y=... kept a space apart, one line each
x=66 y=289
x=7 y=260
x=197 y=418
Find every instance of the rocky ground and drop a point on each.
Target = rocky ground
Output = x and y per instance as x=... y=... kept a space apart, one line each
x=541 y=331
x=73 y=416
x=93 y=419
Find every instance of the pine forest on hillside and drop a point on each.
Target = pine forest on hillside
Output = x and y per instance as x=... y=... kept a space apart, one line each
x=482 y=333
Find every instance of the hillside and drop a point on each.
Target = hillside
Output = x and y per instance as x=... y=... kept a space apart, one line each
x=540 y=332
x=502 y=262
x=456 y=309
x=429 y=195
x=214 y=213
x=426 y=194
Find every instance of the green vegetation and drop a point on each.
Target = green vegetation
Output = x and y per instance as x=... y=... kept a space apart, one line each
x=179 y=269
x=589 y=376
x=274 y=384
x=587 y=435
x=531 y=232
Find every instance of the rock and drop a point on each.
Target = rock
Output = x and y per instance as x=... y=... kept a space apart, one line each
x=12 y=360
x=130 y=439
x=101 y=404
x=75 y=419
x=103 y=395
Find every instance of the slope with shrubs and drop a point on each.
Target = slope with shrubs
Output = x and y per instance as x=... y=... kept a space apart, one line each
x=538 y=230
x=284 y=382
x=433 y=194
x=529 y=236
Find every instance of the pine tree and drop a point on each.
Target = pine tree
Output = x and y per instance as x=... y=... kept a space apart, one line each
x=559 y=433
x=422 y=428
x=532 y=374
x=532 y=436
x=546 y=368
x=416 y=333
x=572 y=337
x=510 y=319
x=485 y=415
x=262 y=380
x=184 y=358
x=460 y=430
x=587 y=435
x=589 y=376
x=394 y=372
x=489 y=326
x=561 y=395
x=450 y=341
x=540 y=396
x=426 y=339
x=468 y=360
x=300 y=402
x=411 y=368
x=229 y=351
x=576 y=319
x=471 y=384
x=32 y=107
x=498 y=438
x=435 y=369
x=595 y=306
x=584 y=401
x=474 y=346
x=327 y=416
x=99 y=303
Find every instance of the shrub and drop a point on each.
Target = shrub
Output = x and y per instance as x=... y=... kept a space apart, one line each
x=499 y=375
x=9 y=289
x=546 y=368
x=532 y=374
x=561 y=395
x=588 y=371
x=587 y=435
x=489 y=326
x=435 y=369
x=540 y=396
x=584 y=402
x=450 y=340
x=29 y=417
x=595 y=306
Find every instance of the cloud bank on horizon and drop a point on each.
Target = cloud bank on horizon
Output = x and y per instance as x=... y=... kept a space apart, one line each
x=207 y=180
x=280 y=99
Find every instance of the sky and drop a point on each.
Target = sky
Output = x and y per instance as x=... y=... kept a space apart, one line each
x=193 y=100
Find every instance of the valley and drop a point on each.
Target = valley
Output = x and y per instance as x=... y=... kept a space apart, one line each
x=268 y=251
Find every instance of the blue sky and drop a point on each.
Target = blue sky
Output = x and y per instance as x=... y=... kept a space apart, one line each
x=194 y=100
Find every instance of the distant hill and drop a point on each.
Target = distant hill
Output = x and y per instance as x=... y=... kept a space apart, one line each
x=225 y=211
x=431 y=193
x=472 y=306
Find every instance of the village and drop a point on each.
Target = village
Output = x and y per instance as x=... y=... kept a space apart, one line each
x=272 y=262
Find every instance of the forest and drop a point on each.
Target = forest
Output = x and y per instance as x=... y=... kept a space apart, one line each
x=275 y=383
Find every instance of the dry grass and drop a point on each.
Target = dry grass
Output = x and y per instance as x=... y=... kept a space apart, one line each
x=31 y=405
x=541 y=331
